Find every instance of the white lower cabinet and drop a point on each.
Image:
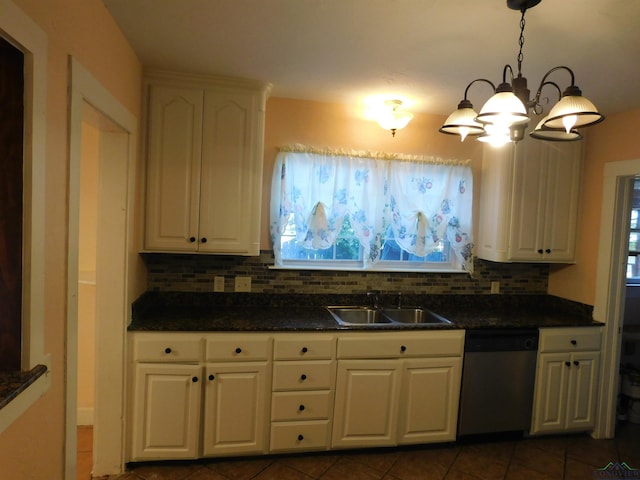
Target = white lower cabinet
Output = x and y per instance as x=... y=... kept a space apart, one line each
x=166 y=411
x=566 y=380
x=367 y=399
x=304 y=370
x=410 y=397
x=230 y=394
x=235 y=407
x=434 y=383
x=199 y=395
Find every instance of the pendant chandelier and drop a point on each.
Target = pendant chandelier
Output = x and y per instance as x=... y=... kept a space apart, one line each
x=505 y=116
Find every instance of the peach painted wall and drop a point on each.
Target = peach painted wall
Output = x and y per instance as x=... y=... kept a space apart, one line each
x=613 y=140
x=32 y=447
x=320 y=124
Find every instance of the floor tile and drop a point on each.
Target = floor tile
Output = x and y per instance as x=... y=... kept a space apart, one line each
x=84 y=465
x=528 y=455
x=518 y=471
x=312 y=465
x=563 y=457
x=280 y=471
x=85 y=438
x=240 y=469
x=381 y=460
x=164 y=472
x=346 y=468
x=487 y=461
x=424 y=464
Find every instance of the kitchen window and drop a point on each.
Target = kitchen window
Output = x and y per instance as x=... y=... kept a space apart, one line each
x=633 y=259
x=376 y=212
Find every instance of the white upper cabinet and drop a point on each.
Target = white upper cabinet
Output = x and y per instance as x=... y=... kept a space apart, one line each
x=204 y=154
x=529 y=202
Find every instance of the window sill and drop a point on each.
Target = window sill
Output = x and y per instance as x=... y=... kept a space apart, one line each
x=19 y=390
x=364 y=270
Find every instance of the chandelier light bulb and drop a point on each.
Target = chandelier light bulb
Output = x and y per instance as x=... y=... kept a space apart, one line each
x=464 y=131
x=569 y=121
x=496 y=136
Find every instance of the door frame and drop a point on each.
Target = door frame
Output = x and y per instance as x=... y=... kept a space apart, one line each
x=119 y=177
x=610 y=284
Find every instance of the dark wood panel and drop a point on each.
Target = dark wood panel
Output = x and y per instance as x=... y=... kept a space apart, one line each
x=11 y=207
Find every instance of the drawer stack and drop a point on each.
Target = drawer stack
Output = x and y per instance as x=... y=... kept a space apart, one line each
x=304 y=371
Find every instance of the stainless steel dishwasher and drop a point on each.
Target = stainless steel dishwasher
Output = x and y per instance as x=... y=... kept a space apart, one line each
x=498 y=378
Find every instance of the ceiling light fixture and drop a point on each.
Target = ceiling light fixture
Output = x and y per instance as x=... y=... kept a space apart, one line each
x=393 y=119
x=506 y=114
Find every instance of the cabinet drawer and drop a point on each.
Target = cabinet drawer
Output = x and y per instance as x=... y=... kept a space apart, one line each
x=570 y=339
x=296 y=406
x=304 y=347
x=392 y=345
x=167 y=348
x=314 y=375
x=291 y=436
x=238 y=348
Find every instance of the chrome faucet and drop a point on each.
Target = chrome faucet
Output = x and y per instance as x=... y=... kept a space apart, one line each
x=374 y=298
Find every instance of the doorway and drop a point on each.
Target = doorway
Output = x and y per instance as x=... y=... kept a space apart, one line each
x=99 y=127
x=611 y=283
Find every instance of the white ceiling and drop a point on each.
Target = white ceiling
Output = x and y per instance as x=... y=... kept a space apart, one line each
x=425 y=51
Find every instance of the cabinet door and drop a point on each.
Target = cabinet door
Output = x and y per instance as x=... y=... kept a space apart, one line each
x=231 y=172
x=166 y=411
x=236 y=408
x=545 y=191
x=173 y=168
x=429 y=400
x=550 y=402
x=366 y=403
x=582 y=391
x=529 y=189
x=561 y=210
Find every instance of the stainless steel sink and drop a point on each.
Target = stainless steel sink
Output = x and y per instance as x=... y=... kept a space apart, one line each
x=347 y=315
x=414 y=315
x=358 y=316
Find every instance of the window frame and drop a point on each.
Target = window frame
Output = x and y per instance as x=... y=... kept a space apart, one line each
x=452 y=265
x=21 y=31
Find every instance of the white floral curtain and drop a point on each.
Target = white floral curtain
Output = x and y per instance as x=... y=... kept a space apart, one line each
x=424 y=200
x=431 y=202
x=320 y=191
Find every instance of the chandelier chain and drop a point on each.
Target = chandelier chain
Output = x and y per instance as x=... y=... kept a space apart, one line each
x=521 y=41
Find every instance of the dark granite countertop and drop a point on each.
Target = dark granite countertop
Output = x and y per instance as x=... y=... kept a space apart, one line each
x=12 y=383
x=175 y=311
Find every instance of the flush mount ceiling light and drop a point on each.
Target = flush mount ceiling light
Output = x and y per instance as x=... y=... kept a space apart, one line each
x=393 y=119
x=505 y=115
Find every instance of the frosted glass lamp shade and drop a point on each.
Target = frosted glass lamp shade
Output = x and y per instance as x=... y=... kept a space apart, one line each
x=394 y=119
x=542 y=132
x=573 y=111
x=503 y=108
x=462 y=122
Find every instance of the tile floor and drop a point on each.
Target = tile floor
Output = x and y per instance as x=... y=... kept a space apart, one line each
x=574 y=457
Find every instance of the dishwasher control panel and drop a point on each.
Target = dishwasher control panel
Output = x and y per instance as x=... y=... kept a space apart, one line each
x=501 y=340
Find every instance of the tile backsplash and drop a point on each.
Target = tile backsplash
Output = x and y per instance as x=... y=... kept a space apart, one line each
x=196 y=273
